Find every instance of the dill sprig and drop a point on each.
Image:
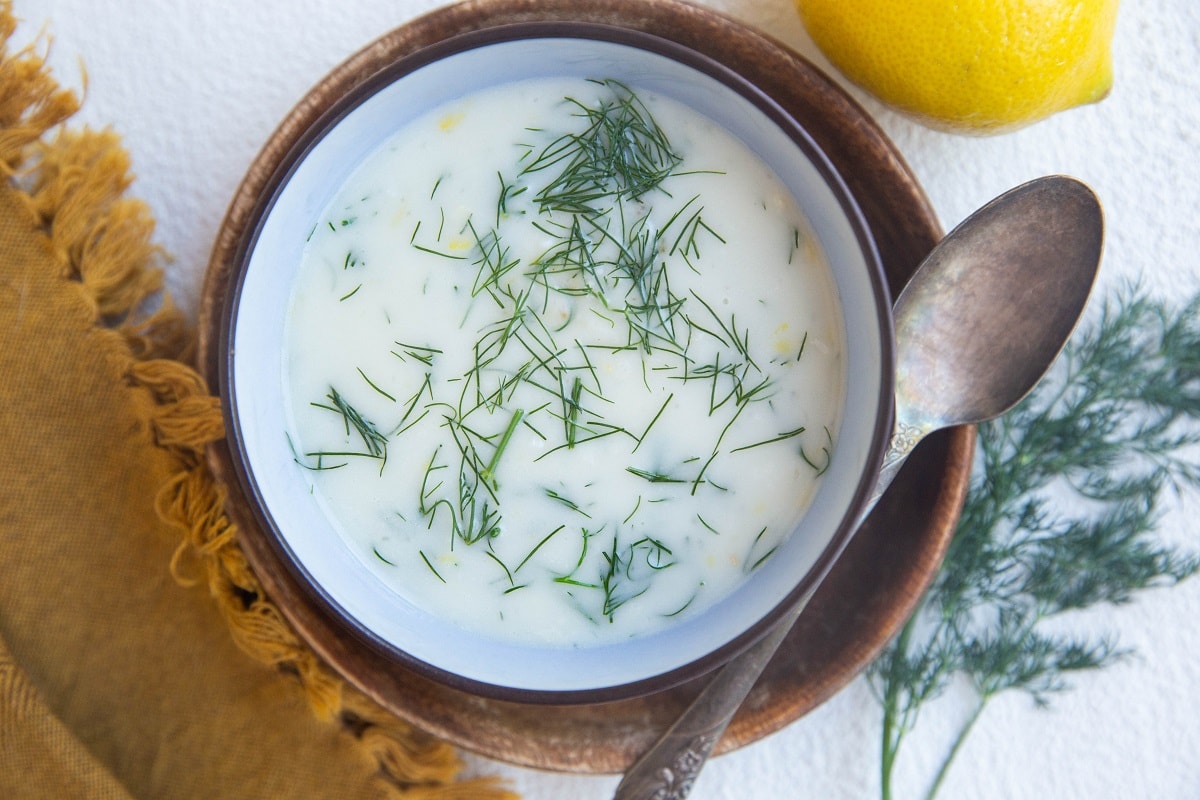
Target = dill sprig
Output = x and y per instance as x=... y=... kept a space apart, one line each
x=620 y=151
x=374 y=442
x=1060 y=517
x=621 y=579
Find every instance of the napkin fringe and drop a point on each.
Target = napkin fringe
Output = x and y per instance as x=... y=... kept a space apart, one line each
x=75 y=184
x=31 y=101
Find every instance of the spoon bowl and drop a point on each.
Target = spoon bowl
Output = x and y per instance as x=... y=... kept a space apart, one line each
x=990 y=308
x=1007 y=298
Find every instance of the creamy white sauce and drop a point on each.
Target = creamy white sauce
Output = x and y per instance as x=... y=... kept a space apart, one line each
x=547 y=453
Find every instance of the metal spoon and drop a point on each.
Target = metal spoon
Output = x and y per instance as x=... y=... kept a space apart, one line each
x=976 y=328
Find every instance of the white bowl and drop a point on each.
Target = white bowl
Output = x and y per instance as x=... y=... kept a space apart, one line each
x=253 y=385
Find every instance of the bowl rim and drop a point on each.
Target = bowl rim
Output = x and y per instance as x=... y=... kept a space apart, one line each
x=345 y=105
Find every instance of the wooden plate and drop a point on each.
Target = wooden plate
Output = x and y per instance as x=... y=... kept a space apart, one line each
x=873 y=587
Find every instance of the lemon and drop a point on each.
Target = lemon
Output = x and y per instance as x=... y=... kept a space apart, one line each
x=970 y=66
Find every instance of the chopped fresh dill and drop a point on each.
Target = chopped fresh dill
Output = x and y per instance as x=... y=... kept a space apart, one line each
x=507 y=573
x=373 y=385
x=821 y=465
x=508 y=191
x=654 y=419
x=440 y=253
x=682 y=608
x=493 y=260
x=432 y=569
x=630 y=515
x=753 y=560
x=779 y=438
x=374 y=441
x=617 y=592
x=687 y=242
x=620 y=152
x=564 y=446
x=654 y=552
x=318 y=465
x=566 y=501
x=571 y=411
x=423 y=354
x=411 y=405
x=717 y=446
x=569 y=581
x=538 y=546
x=489 y=472
x=654 y=477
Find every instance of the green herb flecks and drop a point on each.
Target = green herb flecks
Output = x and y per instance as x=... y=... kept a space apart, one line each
x=317 y=464
x=472 y=512
x=492 y=259
x=508 y=192
x=780 y=438
x=820 y=464
x=374 y=385
x=423 y=354
x=653 y=476
x=619 y=152
x=489 y=472
x=623 y=578
x=566 y=501
x=758 y=555
x=432 y=568
x=691 y=231
x=538 y=546
x=374 y=442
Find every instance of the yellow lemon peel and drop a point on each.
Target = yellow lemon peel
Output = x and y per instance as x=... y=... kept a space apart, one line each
x=970 y=66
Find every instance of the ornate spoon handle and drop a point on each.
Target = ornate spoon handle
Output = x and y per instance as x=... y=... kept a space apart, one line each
x=668 y=769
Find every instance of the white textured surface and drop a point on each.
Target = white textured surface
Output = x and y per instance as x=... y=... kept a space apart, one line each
x=196 y=88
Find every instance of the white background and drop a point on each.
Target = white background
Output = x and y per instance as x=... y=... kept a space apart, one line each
x=195 y=88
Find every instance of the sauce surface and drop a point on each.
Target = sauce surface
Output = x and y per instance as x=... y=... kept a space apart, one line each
x=565 y=362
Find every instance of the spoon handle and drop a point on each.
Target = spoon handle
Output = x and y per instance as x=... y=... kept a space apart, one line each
x=905 y=437
x=668 y=769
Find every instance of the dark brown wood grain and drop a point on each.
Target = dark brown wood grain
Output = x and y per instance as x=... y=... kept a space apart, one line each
x=874 y=585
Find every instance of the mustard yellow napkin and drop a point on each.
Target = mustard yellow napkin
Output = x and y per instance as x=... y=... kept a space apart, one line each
x=115 y=680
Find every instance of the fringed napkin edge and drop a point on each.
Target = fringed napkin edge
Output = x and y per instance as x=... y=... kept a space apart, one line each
x=75 y=184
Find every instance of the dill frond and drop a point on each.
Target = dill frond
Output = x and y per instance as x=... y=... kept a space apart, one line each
x=1061 y=516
